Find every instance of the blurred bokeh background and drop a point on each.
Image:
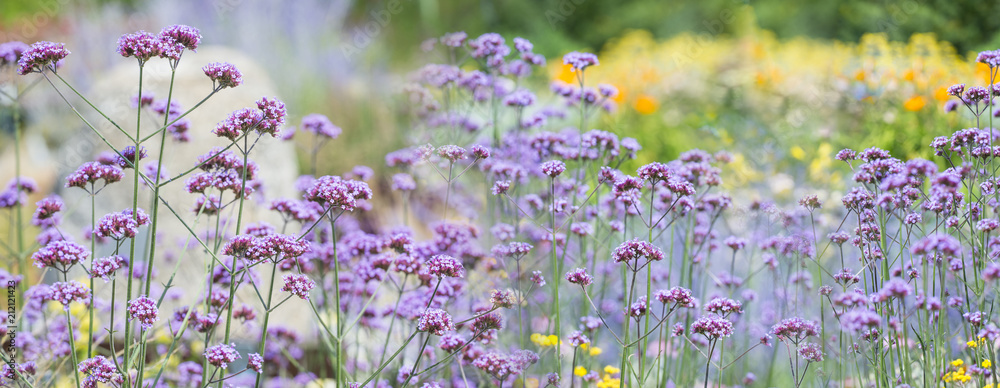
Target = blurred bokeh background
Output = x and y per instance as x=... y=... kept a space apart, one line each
x=782 y=84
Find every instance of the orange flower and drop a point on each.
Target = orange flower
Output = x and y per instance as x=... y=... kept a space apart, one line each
x=941 y=94
x=644 y=104
x=860 y=75
x=915 y=103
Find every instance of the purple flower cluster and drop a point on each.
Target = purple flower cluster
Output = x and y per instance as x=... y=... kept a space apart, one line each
x=795 y=329
x=123 y=225
x=333 y=191
x=435 y=321
x=40 y=56
x=579 y=276
x=223 y=75
x=221 y=355
x=298 y=285
x=712 y=327
x=67 y=292
x=99 y=369
x=60 y=255
x=144 y=310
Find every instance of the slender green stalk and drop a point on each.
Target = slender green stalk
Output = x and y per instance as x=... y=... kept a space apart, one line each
x=135 y=215
x=267 y=316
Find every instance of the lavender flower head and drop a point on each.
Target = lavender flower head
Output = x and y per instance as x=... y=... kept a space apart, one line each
x=186 y=36
x=298 y=285
x=680 y=296
x=119 y=226
x=712 y=327
x=143 y=46
x=255 y=362
x=40 y=56
x=99 y=369
x=580 y=61
x=221 y=355
x=452 y=153
x=60 y=255
x=223 y=75
x=579 y=276
x=67 y=292
x=811 y=352
x=553 y=168
x=321 y=126
x=143 y=309
x=91 y=172
x=337 y=192
x=11 y=51
x=435 y=321
x=128 y=159
x=636 y=249
x=105 y=267
x=795 y=329
x=445 y=266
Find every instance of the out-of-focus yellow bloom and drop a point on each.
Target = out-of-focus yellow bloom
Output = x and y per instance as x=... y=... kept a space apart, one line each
x=798 y=153
x=645 y=104
x=971 y=344
x=544 y=340
x=531 y=382
x=957 y=363
x=915 y=103
x=909 y=75
x=580 y=371
x=594 y=351
x=986 y=364
x=859 y=75
x=611 y=370
x=941 y=94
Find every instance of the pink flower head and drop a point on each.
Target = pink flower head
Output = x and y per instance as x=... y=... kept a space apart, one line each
x=680 y=296
x=445 y=266
x=580 y=61
x=298 y=285
x=60 y=255
x=186 y=36
x=320 y=125
x=223 y=75
x=337 y=192
x=91 y=172
x=452 y=153
x=67 y=292
x=144 y=310
x=579 y=276
x=40 y=56
x=143 y=45
x=553 y=168
x=119 y=226
x=811 y=352
x=274 y=115
x=255 y=362
x=221 y=355
x=633 y=250
x=712 y=327
x=435 y=321
x=46 y=215
x=795 y=329
x=100 y=369
x=105 y=267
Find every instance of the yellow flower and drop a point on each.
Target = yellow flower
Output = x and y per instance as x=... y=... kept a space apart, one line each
x=645 y=104
x=798 y=153
x=987 y=364
x=553 y=340
x=971 y=344
x=957 y=363
x=580 y=371
x=915 y=103
x=584 y=346
x=611 y=370
x=594 y=351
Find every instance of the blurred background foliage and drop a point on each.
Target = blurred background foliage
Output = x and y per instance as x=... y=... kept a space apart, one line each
x=783 y=84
